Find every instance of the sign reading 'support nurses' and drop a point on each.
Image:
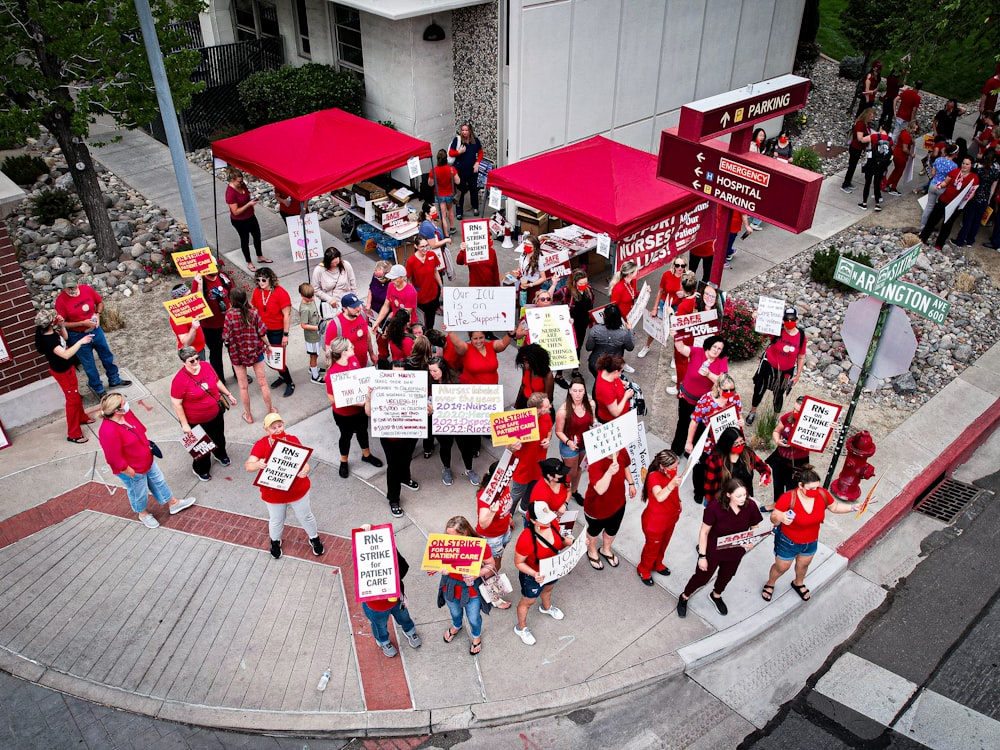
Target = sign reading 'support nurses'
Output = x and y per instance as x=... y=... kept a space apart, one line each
x=651 y=248
x=284 y=463
x=464 y=409
x=815 y=424
x=375 y=573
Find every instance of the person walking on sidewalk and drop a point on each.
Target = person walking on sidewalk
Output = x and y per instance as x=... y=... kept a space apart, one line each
x=860 y=137
x=130 y=455
x=50 y=341
x=465 y=151
x=663 y=509
x=378 y=612
x=461 y=592
x=903 y=152
x=781 y=364
x=876 y=167
x=539 y=541
x=244 y=335
x=275 y=307
x=279 y=501
x=729 y=514
x=351 y=420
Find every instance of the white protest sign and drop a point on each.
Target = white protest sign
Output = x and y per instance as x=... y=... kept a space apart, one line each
x=815 y=424
x=476 y=236
x=480 y=308
x=604 y=245
x=658 y=327
x=554 y=568
x=274 y=357
x=495 y=198
x=413 y=170
x=741 y=538
x=197 y=442
x=284 y=463
x=375 y=572
x=696 y=324
x=611 y=437
x=719 y=421
x=350 y=388
x=638 y=455
x=464 y=409
x=693 y=459
x=399 y=404
x=548 y=261
x=552 y=328
x=770 y=311
x=499 y=484
x=959 y=200
x=639 y=307
x=311 y=237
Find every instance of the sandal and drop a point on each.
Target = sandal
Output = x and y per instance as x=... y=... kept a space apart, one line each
x=612 y=558
x=502 y=604
x=251 y=268
x=262 y=259
x=450 y=633
x=767 y=593
x=802 y=591
x=79 y=440
x=475 y=648
x=595 y=563
x=247 y=418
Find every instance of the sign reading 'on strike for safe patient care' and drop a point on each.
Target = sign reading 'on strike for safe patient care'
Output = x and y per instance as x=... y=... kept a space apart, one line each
x=375 y=573
x=815 y=424
x=483 y=308
x=464 y=409
x=284 y=463
x=188 y=308
x=191 y=262
x=510 y=426
x=449 y=553
x=611 y=437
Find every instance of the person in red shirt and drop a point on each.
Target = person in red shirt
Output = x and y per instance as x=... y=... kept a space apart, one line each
x=443 y=178
x=666 y=296
x=551 y=487
x=495 y=519
x=401 y=295
x=904 y=150
x=988 y=95
x=279 y=501
x=539 y=541
x=215 y=288
x=378 y=612
x=352 y=324
x=860 y=137
x=479 y=363
x=350 y=419
x=529 y=452
x=198 y=396
x=787 y=458
x=275 y=308
x=688 y=301
x=287 y=205
x=481 y=272
x=907 y=103
x=422 y=268
x=954 y=184
x=869 y=87
x=536 y=376
x=663 y=508
x=188 y=334
x=604 y=505
x=610 y=394
x=797 y=516
x=781 y=366
x=241 y=215
x=623 y=287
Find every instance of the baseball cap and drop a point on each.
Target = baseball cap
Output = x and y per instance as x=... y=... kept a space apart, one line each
x=271 y=418
x=541 y=512
x=45 y=318
x=396 y=272
x=350 y=300
x=69 y=281
x=180 y=290
x=791 y=313
x=553 y=467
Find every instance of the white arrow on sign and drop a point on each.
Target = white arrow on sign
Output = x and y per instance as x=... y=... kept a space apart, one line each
x=724 y=119
x=696 y=185
x=698 y=171
x=701 y=156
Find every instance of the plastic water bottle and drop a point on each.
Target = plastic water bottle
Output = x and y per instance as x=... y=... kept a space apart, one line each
x=323 y=681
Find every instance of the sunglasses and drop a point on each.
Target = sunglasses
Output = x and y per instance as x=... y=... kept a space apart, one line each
x=190 y=360
x=262 y=281
x=729 y=390
x=680 y=265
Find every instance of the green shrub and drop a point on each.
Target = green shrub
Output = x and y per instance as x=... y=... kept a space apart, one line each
x=226 y=131
x=49 y=205
x=275 y=95
x=764 y=426
x=737 y=329
x=24 y=169
x=852 y=68
x=806 y=158
x=824 y=264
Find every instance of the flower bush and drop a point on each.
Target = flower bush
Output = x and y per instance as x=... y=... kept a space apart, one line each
x=742 y=341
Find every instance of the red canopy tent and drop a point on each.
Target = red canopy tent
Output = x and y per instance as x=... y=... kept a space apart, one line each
x=599 y=184
x=320 y=152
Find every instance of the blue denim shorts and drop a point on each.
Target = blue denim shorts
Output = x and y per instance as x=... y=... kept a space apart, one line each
x=499 y=543
x=566 y=452
x=530 y=588
x=786 y=549
x=445 y=198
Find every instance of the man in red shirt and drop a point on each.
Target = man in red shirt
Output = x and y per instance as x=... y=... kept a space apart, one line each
x=80 y=306
x=400 y=295
x=352 y=324
x=907 y=104
x=988 y=98
x=422 y=268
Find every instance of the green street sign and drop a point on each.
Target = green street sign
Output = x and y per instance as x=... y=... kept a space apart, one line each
x=898 y=265
x=899 y=293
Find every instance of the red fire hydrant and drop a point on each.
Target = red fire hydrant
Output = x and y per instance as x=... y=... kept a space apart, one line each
x=856 y=467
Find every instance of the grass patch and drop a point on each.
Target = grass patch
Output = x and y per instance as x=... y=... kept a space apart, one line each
x=830 y=37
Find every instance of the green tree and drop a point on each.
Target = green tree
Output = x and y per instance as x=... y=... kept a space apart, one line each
x=66 y=62
x=869 y=26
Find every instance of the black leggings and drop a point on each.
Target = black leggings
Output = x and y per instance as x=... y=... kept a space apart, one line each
x=356 y=424
x=873 y=176
x=706 y=270
x=215 y=428
x=213 y=341
x=247 y=228
x=853 y=157
x=429 y=309
x=684 y=411
x=398 y=455
x=727 y=569
x=467 y=447
x=769 y=377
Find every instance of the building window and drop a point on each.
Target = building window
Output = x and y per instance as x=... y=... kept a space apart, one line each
x=347 y=32
x=302 y=28
x=255 y=19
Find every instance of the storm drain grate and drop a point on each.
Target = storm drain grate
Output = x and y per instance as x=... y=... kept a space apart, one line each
x=947 y=500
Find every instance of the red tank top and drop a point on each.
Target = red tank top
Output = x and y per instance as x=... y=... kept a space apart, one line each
x=576 y=426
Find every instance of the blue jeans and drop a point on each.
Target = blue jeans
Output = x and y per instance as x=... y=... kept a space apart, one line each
x=139 y=487
x=86 y=356
x=971 y=218
x=380 y=621
x=472 y=610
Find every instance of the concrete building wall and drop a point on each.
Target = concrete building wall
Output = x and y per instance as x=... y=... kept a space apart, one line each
x=475 y=72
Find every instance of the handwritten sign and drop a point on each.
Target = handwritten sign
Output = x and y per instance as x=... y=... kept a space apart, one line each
x=483 y=308
x=299 y=240
x=635 y=314
x=399 y=404
x=350 y=388
x=375 y=573
x=188 y=308
x=274 y=357
x=413 y=169
x=552 y=328
x=284 y=463
x=508 y=427
x=721 y=420
x=476 y=236
x=658 y=327
x=554 y=568
x=741 y=538
x=770 y=311
x=197 y=442
x=638 y=455
x=815 y=424
x=449 y=553
x=464 y=409
x=190 y=262
x=611 y=437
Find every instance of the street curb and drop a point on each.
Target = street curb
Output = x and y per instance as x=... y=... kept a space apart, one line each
x=957 y=452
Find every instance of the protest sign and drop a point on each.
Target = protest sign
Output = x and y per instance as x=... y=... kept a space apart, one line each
x=639 y=307
x=959 y=200
x=696 y=324
x=375 y=573
x=498 y=488
x=399 y=404
x=476 y=236
x=284 y=463
x=694 y=458
x=4 y=351
x=197 y=442
x=481 y=308
x=719 y=421
x=464 y=409
x=350 y=388
x=611 y=437
x=274 y=357
x=449 y=553
x=190 y=262
x=552 y=328
x=815 y=424
x=298 y=240
x=187 y=308
x=597 y=315
x=604 y=245
x=742 y=538
x=554 y=568
x=508 y=427
x=770 y=312
x=658 y=327
x=638 y=455
x=555 y=263
x=413 y=169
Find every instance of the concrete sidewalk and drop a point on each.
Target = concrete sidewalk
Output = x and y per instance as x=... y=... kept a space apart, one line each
x=196 y=623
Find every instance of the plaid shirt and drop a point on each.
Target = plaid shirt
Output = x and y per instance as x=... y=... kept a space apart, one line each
x=715 y=473
x=706 y=407
x=245 y=343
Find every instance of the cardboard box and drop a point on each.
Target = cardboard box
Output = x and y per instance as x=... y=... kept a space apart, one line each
x=536 y=226
x=368 y=190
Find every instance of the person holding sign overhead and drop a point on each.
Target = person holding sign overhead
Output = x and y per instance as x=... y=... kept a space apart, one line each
x=604 y=505
x=480 y=365
x=279 y=501
x=539 y=541
x=350 y=420
x=663 y=508
x=461 y=592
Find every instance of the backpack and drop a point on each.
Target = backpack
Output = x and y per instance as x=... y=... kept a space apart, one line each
x=322 y=335
x=882 y=153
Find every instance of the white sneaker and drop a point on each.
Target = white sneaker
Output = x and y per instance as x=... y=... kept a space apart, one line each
x=673 y=377
x=554 y=612
x=629 y=369
x=525 y=635
x=151 y=523
x=673 y=364
x=643 y=352
x=671 y=391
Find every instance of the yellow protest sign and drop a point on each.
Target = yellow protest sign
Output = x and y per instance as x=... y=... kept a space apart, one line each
x=187 y=308
x=190 y=262
x=454 y=554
